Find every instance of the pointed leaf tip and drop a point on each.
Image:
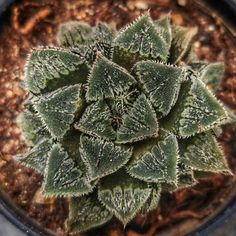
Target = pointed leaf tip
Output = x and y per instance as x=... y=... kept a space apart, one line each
x=65 y=176
x=141 y=37
x=203 y=153
x=102 y=157
x=73 y=33
x=196 y=110
x=139 y=123
x=37 y=157
x=86 y=212
x=48 y=69
x=96 y=121
x=156 y=161
x=107 y=80
x=59 y=108
x=181 y=42
x=160 y=83
x=123 y=195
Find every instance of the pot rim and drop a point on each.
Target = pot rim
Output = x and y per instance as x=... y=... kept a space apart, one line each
x=31 y=227
x=18 y=218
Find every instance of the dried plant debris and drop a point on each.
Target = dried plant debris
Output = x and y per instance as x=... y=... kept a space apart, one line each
x=115 y=117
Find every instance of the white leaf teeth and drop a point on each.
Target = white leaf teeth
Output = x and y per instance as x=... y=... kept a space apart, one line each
x=113 y=133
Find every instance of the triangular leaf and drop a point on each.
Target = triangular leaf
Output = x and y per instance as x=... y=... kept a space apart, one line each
x=51 y=68
x=103 y=33
x=196 y=110
x=211 y=74
x=190 y=56
x=156 y=161
x=65 y=176
x=31 y=125
x=37 y=157
x=161 y=84
x=163 y=27
x=96 y=121
x=153 y=200
x=139 y=123
x=140 y=40
x=123 y=195
x=203 y=153
x=86 y=212
x=102 y=157
x=185 y=175
x=107 y=80
x=181 y=42
x=73 y=33
x=121 y=105
x=59 y=108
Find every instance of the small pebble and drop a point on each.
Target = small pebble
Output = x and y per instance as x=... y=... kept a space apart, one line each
x=182 y=3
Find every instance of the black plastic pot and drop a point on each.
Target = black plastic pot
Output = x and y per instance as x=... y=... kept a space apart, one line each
x=227 y=11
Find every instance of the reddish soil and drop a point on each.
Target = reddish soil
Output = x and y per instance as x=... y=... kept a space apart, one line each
x=29 y=24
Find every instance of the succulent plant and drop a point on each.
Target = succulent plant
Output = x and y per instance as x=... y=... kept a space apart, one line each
x=114 y=118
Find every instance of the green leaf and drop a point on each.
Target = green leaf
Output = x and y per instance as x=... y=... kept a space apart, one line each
x=65 y=176
x=190 y=56
x=163 y=27
x=103 y=33
x=59 y=108
x=86 y=212
x=37 y=157
x=203 y=153
x=123 y=195
x=140 y=40
x=139 y=123
x=73 y=33
x=181 y=42
x=31 y=126
x=156 y=160
x=102 y=157
x=88 y=52
x=96 y=121
x=211 y=74
x=107 y=80
x=153 y=200
x=185 y=175
x=51 y=68
x=196 y=110
x=160 y=83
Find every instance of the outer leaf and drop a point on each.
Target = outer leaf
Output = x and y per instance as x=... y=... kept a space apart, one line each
x=32 y=126
x=123 y=195
x=140 y=40
x=202 y=153
x=51 y=68
x=85 y=213
x=65 y=176
x=139 y=123
x=153 y=200
x=163 y=27
x=96 y=121
x=185 y=175
x=181 y=42
x=37 y=157
x=102 y=33
x=190 y=55
x=156 y=161
x=59 y=108
x=73 y=33
x=161 y=84
x=211 y=74
x=102 y=157
x=107 y=80
x=196 y=110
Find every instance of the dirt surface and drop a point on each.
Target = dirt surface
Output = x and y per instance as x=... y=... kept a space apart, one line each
x=29 y=24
